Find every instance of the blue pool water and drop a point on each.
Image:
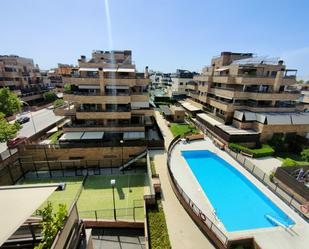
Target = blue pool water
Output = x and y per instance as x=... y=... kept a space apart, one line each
x=239 y=204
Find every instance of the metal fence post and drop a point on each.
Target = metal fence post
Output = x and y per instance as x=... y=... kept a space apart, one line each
x=134 y=213
x=96 y=215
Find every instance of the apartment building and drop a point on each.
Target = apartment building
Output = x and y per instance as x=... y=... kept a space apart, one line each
x=250 y=85
x=179 y=81
x=55 y=75
x=108 y=102
x=22 y=76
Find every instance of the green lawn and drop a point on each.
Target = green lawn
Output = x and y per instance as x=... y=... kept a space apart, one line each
x=66 y=196
x=98 y=195
x=182 y=129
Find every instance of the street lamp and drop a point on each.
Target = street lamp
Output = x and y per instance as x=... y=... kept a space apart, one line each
x=113 y=183
x=121 y=141
x=24 y=102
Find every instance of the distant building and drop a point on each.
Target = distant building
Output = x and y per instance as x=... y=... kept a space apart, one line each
x=23 y=77
x=179 y=82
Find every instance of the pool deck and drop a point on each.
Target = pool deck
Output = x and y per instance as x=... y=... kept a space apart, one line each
x=267 y=238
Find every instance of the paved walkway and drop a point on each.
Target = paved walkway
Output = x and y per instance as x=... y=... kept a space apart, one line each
x=183 y=232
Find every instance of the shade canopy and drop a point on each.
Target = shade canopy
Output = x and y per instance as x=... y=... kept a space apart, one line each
x=18 y=203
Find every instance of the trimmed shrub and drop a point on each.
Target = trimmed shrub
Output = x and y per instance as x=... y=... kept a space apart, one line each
x=264 y=151
x=305 y=154
x=58 y=102
x=288 y=162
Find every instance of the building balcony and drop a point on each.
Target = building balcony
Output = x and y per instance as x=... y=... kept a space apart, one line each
x=224 y=106
x=227 y=79
x=81 y=81
x=232 y=93
x=119 y=113
x=106 y=128
x=140 y=97
x=97 y=98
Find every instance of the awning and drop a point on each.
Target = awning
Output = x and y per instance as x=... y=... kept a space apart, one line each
x=93 y=135
x=18 y=203
x=302 y=119
x=52 y=130
x=190 y=107
x=133 y=135
x=88 y=69
x=117 y=87
x=72 y=135
x=166 y=110
x=231 y=130
x=111 y=70
x=221 y=69
x=126 y=70
x=238 y=115
x=137 y=105
x=119 y=70
x=89 y=87
x=260 y=118
x=250 y=116
x=278 y=119
x=208 y=119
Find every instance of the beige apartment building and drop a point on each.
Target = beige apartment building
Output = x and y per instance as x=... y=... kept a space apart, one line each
x=250 y=85
x=22 y=76
x=108 y=101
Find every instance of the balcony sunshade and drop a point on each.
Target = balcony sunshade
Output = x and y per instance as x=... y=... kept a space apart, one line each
x=73 y=135
x=133 y=135
x=138 y=105
x=93 y=135
x=86 y=69
x=231 y=130
x=208 y=119
x=18 y=203
x=166 y=110
x=221 y=69
x=190 y=107
x=238 y=115
x=278 y=119
x=302 y=118
x=117 y=87
x=119 y=70
x=89 y=87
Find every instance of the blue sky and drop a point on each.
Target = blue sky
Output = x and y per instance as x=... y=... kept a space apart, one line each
x=163 y=34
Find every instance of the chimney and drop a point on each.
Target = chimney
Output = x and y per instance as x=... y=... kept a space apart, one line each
x=146 y=74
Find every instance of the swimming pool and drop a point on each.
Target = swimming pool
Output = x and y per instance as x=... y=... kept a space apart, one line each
x=238 y=203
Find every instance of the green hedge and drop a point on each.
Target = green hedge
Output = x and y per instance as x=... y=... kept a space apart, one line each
x=264 y=151
x=158 y=233
x=288 y=162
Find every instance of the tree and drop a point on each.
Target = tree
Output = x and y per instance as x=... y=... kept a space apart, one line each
x=305 y=154
x=9 y=102
x=58 y=102
x=67 y=88
x=7 y=131
x=51 y=224
x=50 y=96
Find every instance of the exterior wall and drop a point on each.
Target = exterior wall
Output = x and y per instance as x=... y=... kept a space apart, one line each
x=93 y=153
x=267 y=131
